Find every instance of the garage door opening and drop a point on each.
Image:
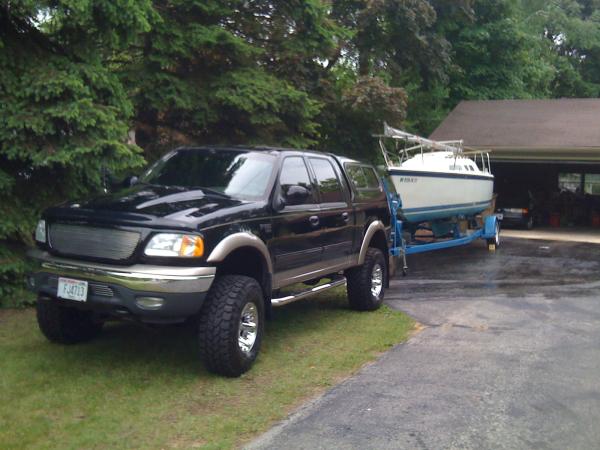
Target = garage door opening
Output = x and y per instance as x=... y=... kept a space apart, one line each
x=557 y=195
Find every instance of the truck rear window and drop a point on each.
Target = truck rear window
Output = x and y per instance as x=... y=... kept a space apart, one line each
x=372 y=178
x=357 y=176
x=365 y=181
x=363 y=177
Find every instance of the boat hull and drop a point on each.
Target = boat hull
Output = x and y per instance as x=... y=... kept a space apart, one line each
x=428 y=196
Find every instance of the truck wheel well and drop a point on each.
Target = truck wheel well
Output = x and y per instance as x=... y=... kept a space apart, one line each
x=378 y=241
x=248 y=261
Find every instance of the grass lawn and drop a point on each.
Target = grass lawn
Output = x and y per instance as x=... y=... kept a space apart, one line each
x=138 y=387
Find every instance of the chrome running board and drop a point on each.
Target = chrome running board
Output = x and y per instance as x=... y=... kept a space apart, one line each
x=303 y=294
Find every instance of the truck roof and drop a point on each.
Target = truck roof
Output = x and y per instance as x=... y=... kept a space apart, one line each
x=269 y=149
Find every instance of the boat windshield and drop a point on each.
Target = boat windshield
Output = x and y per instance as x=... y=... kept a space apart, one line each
x=232 y=173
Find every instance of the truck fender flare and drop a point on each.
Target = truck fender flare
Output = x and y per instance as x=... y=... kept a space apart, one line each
x=239 y=240
x=373 y=228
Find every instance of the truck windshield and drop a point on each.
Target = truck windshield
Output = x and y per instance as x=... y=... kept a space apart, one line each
x=243 y=175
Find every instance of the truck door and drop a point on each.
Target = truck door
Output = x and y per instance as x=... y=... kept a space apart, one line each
x=296 y=229
x=336 y=214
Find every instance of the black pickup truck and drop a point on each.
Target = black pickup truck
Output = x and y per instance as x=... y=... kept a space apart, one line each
x=213 y=234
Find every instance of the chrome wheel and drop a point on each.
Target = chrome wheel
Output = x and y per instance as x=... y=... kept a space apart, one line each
x=497 y=236
x=248 y=329
x=376 y=281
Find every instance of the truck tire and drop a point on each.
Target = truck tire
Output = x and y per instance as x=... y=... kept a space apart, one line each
x=366 y=283
x=65 y=325
x=231 y=325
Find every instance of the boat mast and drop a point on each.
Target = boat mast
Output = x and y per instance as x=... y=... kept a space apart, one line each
x=413 y=142
x=421 y=142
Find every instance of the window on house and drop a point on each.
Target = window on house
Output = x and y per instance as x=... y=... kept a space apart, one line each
x=591 y=184
x=569 y=182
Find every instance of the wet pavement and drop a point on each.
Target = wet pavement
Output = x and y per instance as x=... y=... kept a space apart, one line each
x=509 y=358
x=574 y=234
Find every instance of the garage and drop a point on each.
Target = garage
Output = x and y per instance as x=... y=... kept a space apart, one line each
x=545 y=156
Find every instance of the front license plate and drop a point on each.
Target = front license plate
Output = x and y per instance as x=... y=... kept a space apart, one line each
x=72 y=289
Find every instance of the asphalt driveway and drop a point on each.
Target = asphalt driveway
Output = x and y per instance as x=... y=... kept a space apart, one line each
x=509 y=358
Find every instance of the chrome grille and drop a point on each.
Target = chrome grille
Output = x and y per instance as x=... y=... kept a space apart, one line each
x=106 y=243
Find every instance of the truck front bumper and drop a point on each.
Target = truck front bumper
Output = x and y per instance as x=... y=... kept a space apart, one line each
x=175 y=293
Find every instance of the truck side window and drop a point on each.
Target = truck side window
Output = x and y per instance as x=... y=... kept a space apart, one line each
x=329 y=185
x=357 y=176
x=295 y=173
x=372 y=178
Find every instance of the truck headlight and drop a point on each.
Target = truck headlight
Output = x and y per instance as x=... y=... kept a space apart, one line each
x=40 y=231
x=174 y=244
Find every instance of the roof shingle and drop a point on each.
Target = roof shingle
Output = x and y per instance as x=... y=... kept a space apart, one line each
x=558 y=123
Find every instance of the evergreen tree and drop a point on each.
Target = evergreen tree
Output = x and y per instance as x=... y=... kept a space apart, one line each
x=63 y=112
x=229 y=71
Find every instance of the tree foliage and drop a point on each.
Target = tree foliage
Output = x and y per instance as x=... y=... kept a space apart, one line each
x=229 y=71
x=63 y=112
x=79 y=76
x=571 y=42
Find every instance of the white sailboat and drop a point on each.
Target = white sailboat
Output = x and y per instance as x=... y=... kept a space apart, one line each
x=436 y=180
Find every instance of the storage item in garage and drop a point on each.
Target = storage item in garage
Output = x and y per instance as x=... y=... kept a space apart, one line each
x=596 y=219
x=555 y=220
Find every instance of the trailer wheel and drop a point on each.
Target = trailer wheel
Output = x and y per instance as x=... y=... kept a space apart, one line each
x=495 y=241
x=366 y=283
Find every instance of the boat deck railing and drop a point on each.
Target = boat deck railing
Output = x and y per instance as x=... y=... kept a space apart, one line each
x=407 y=144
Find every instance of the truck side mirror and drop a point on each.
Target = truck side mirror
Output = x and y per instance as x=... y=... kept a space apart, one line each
x=129 y=181
x=296 y=195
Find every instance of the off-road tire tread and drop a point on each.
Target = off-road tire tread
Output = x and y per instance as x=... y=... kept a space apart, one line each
x=219 y=320
x=65 y=325
x=358 y=281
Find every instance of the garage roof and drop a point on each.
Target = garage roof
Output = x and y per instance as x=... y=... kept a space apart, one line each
x=538 y=130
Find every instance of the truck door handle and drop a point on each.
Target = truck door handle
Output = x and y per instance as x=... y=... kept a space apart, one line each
x=314 y=220
x=345 y=217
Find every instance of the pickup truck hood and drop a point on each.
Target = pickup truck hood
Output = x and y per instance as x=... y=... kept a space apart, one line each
x=160 y=201
x=155 y=206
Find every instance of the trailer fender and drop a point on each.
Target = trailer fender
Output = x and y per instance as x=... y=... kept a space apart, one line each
x=489 y=227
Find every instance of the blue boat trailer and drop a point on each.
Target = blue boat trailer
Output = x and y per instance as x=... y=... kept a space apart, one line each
x=490 y=231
